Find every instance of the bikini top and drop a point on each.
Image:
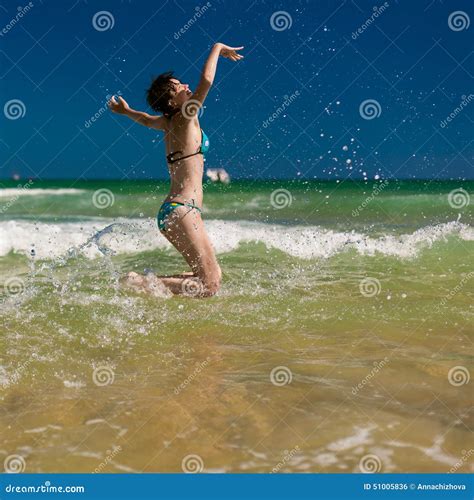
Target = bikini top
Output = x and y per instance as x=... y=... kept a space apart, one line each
x=203 y=148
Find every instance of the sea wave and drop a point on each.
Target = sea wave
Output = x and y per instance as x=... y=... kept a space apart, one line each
x=26 y=191
x=125 y=236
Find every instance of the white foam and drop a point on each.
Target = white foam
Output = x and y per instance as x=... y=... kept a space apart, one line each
x=73 y=384
x=125 y=236
x=4 y=378
x=434 y=452
x=359 y=437
x=25 y=191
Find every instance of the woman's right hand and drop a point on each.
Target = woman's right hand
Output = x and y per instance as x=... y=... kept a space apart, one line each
x=119 y=106
x=230 y=52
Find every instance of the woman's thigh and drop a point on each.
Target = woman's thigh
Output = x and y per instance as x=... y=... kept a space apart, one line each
x=186 y=232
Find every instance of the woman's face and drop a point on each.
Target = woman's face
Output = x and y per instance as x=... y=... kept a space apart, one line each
x=180 y=94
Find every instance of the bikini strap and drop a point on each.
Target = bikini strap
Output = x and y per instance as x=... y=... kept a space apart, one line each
x=171 y=160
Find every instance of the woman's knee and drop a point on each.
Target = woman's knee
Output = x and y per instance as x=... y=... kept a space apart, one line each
x=211 y=281
x=211 y=287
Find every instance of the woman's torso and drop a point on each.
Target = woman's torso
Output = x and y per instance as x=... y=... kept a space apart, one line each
x=183 y=137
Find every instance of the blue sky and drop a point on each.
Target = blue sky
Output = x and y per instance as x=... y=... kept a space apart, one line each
x=307 y=65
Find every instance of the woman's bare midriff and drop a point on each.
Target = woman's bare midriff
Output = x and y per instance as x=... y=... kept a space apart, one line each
x=186 y=175
x=186 y=180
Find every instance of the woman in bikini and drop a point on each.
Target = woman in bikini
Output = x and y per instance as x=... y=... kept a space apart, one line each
x=179 y=218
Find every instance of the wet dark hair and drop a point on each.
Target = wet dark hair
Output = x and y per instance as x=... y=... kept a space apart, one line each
x=159 y=94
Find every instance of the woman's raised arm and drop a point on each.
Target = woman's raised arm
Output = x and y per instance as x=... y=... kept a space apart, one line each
x=209 y=70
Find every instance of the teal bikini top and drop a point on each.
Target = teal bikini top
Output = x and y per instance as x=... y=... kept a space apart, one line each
x=204 y=142
x=203 y=148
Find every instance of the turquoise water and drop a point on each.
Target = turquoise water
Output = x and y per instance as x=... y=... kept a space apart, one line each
x=342 y=331
x=396 y=203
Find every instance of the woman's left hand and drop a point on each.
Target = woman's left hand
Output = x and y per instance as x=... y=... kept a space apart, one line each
x=231 y=52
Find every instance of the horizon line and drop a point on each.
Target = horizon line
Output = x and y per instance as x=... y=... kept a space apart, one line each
x=282 y=179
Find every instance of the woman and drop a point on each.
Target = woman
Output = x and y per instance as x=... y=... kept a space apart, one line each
x=179 y=218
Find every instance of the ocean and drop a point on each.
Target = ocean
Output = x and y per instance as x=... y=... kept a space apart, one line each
x=341 y=340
